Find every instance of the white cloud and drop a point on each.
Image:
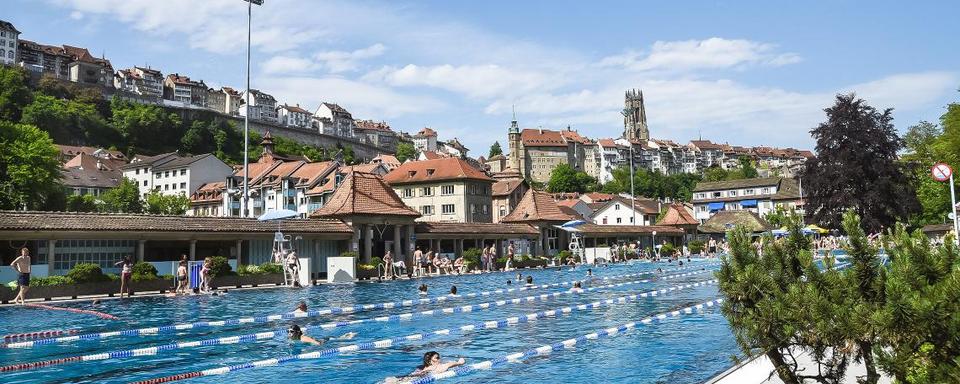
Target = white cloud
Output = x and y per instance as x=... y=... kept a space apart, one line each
x=288 y=65
x=478 y=81
x=907 y=91
x=75 y=15
x=362 y=99
x=712 y=53
x=343 y=61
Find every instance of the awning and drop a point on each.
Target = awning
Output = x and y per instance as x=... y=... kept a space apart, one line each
x=716 y=206
x=748 y=203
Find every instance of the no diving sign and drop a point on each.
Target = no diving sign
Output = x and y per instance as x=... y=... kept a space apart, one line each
x=941 y=172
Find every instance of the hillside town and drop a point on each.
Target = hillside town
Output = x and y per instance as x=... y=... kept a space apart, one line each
x=224 y=208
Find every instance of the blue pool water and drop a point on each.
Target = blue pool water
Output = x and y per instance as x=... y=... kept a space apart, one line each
x=686 y=349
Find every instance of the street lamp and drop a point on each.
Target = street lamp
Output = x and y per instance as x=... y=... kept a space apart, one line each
x=246 y=117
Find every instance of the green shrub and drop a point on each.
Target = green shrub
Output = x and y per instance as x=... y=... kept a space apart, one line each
x=144 y=271
x=270 y=268
x=667 y=250
x=696 y=246
x=87 y=273
x=472 y=256
x=563 y=255
x=220 y=267
x=375 y=261
x=50 y=281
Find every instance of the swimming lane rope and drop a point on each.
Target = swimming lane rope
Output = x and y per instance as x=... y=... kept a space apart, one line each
x=149 y=331
x=387 y=343
x=254 y=337
x=560 y=346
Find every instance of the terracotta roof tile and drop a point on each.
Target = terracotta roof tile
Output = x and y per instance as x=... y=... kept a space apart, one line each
x=475 y=228
x=114 y=222
x=209 y=192
x=425 y=132
x=542 y=138
x=450 y=168
x=536 y=206
x=364 y=194
x=678 y=215
x=723 y=221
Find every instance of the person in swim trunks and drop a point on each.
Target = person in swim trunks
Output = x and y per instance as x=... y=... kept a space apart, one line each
x=22 y=265
x=126 y=271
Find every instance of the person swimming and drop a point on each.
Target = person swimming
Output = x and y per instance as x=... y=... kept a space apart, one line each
x=529 y=281
x=509 y=282
x=453 y=291
x=577 y=287
x=296 y=334
x=422 y=289
x=433 y=365
x=681 y=262
x=589 y=272
x=302 y=307
x=519 y=276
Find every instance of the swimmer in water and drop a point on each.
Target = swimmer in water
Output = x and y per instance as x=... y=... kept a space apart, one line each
x=577 y=287
x=301 y=308
x=422 y=289
x=509 y=282
x=529 y=281
x=589 y=272
x=296 y=334
x=519 y=276
x=453 y=291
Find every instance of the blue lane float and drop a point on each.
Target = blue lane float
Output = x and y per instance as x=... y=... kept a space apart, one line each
x=255 y=337
x=395 y=341
x=152 y=331
x=560 y=346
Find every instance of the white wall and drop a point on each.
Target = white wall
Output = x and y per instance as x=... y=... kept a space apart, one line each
x=624 y=213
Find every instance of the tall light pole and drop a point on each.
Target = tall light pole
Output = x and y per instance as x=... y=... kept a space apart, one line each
x=246 y=117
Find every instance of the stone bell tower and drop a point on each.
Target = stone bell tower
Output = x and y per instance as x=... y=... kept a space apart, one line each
x=634 y=117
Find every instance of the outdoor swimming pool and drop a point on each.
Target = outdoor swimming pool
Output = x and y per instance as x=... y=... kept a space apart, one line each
x=684 y=349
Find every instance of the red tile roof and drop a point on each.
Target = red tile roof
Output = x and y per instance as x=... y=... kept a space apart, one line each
x=364 y=194
x=209 y=193
x=475 y=229
x=373 y=125
x=450 y=168
x=295 y=108
x=678 y=215
x=116 y=223
x=609 y=143
x=536 y=206
x=542 y=138
x=504 y=187
x=426 y=131
x=431 y=155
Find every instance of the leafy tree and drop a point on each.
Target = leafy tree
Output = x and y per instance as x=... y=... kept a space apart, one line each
x=495 y=149
x=778 y=216
x=564 y=178
x=125 y=198
x=82 y=203
x=919 y=326
x=406 y=151
x=14 y=92
x=921 y=142
x=146 y=126
x=29 y=167
x=747 y=168
x=653 y=184
x=714 y=173
x=779 y=302
x=160 y=204
x=857 y=167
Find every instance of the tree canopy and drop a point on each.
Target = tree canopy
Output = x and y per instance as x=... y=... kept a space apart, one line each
x=653 y=184
x=29 y=167
x=405 y=151
x=857 y=167
x=495 y=149
x=564 y=178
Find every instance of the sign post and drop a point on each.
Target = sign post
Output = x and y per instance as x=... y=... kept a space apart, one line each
x=942 y=172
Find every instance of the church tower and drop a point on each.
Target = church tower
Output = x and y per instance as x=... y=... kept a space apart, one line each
x=634 y=117
x=513 y=135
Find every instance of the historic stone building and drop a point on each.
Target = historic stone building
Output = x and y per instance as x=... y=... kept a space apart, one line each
x=635 y=117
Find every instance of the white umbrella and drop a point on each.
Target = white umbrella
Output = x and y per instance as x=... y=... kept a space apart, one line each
x=278 y=214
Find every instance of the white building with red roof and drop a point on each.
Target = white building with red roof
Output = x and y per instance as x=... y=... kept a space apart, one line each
x=445 y=189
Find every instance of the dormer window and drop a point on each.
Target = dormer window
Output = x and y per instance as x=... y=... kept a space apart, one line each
x=412 y=173
x=430 y=172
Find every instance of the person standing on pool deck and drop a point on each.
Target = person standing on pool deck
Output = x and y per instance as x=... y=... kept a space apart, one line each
x=126 y=272
x=510 y=252
x=388 y=265
x=182 y=277
x=22 y=265
x=205 y=275
x=418 y=261
x=493 y=257
x=485 y=259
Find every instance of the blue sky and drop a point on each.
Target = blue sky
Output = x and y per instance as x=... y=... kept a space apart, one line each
x=747 y=73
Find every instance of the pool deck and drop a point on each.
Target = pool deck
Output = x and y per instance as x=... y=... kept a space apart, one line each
x=759 y=370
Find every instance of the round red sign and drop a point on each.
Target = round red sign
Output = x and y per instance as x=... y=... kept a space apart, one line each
x=941 y=172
